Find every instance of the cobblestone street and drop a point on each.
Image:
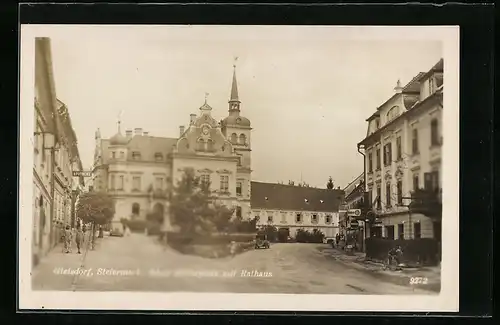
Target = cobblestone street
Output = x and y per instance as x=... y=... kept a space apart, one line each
x=138 y=263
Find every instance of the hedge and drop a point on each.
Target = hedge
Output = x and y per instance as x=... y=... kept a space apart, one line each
x=423 y=251
x=176 y=238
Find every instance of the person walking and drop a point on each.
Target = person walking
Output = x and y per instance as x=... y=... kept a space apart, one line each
x=67 y=237
x=79 y=238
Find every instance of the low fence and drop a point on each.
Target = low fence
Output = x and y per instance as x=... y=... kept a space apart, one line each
x=211 y=246
x=423 y=251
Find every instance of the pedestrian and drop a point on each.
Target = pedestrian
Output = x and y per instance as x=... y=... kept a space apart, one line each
x=68 y=236
x=337 y=239
x=79 y=238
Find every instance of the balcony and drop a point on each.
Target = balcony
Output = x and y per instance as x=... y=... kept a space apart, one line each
x=427 y=202
x=159 y=194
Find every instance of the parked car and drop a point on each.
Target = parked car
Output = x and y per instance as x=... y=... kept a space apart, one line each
x=261 y=241
x=117 y=229
x=328 y=240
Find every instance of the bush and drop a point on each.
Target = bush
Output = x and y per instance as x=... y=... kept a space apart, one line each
x=423 y=251
x=136 y=225
x=304 y=236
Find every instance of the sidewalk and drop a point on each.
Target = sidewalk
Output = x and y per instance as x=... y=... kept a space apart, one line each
x=42 y=275
x=426 y=278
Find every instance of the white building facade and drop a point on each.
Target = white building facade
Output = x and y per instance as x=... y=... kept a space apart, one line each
x=292 y=207
x=403 y=154
x=140 y=170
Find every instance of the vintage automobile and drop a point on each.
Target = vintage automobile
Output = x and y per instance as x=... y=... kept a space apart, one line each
x=261 y=241
x=117 y=229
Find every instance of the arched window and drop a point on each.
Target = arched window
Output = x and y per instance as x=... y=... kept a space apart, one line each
x=243 y=139
x=136 y=208
x=201 y=145
x=234 y=138
x=392 y=114
x=210 y=145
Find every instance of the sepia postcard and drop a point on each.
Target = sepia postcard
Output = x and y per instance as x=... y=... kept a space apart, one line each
x=273 y=168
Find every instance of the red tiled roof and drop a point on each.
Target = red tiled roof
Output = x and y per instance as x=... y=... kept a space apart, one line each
x=295 y=198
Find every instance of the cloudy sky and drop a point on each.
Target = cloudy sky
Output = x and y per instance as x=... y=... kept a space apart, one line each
x=306 y=90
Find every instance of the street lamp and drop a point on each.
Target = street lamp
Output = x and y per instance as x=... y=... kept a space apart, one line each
x=49 y=143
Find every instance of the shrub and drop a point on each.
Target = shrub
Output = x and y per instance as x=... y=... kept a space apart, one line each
x=305 y=236
x=136 y=225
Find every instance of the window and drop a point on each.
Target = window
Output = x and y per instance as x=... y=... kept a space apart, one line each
x=238 y=212
x=400 y=192
x=283 y=217
x=399 y=152
x=210 y=145
x=136 y=183
x=238 y=188
x=434 y=133
x=388 y=194
x=224 y=183
x=328 y=219
x=431 y=86
x=234 y=138
x=401 y=231
x=416 y=182
x=314 y=218
x=379 y=194
x=370 y=162
x=389 y=232
x=158 y=156
x=417 y=230
x=122 y=154
x=269 y=217
x=113 y=155
x=112 y=182
x=388 y=154
x=205 y=179
x=201 y=145
x=136 y=155
x=159 y=183
x=431 y=180
x=243 y=139
x=414 y=142
x=377 y=156
x=136 y=208
x=298 y=217
x=121 y=180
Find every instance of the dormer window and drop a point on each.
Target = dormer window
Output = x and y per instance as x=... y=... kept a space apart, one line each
x=136 y=155
x=158 y=156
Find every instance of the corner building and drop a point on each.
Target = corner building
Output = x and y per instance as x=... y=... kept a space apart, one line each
x=139 y=170
x=403 y=154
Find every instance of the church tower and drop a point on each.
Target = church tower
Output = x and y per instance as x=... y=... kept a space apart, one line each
x=237 y=130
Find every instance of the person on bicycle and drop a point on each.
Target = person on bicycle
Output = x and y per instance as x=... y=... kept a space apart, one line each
x=395 y=255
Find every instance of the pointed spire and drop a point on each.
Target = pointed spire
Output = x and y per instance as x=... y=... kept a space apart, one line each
x=234 y=87
x=234 y=100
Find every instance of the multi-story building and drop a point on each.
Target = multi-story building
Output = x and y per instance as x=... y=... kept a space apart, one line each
x=403 y=154
x=55 y=156
x=292 y=207
x=139 y=170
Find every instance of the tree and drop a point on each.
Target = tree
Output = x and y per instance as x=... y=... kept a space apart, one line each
x=194 y=210
x=97 y=208
x=330 y=185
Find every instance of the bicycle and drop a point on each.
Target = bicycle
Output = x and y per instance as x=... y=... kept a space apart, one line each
x=393 y=259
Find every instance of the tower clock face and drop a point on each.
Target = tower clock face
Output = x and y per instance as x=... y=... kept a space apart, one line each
x=205 y=130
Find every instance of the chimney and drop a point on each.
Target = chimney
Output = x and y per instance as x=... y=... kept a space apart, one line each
x=145 y=133
x=192 y=118
x=128 y=134
x=138 y=131
x=398 y=89
x=181 y=130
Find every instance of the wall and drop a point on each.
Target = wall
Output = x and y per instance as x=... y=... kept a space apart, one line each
x=286 y=219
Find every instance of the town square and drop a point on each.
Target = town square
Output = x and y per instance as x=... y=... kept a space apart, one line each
x=237 y=164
